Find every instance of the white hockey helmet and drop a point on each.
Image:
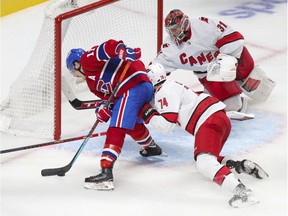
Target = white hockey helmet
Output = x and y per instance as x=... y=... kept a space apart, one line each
x=156 y=73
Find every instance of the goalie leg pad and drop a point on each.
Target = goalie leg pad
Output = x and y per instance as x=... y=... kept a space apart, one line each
x=257 y=85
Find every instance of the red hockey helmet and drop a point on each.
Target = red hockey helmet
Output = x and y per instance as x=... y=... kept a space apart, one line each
x=177 y=25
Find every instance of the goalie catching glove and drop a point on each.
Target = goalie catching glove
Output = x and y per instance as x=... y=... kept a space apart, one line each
x=103 y=113
x=128 y=53
x=223 y=69
x=147 y=112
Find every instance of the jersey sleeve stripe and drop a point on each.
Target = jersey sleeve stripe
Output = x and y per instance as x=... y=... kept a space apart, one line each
x=229 y=39
x=198 y=112
x=170 y=117
x=101 y=53
x=111 y=68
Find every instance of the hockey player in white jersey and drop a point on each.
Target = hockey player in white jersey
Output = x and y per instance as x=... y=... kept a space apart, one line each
x=204 y=117
x=216 y=54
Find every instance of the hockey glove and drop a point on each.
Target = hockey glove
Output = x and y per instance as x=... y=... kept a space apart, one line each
x=147 y=112
x=103 y=114
x=121 y=51
x=132 y=54
x=128 y=53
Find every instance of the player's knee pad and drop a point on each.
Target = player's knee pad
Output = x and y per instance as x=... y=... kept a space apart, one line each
x=207 y=165
x=257 y=85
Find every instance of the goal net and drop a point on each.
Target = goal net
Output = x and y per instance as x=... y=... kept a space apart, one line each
x=34 y=104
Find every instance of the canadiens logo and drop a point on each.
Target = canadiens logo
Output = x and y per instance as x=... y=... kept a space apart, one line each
x=103 y=87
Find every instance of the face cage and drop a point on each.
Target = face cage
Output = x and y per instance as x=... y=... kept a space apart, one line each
x=184 y=26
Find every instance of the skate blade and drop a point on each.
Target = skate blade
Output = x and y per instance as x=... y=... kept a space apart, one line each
x=163 y=155
x=262 y=174
x=259 y=173
x=240 y=203
x=103 y=186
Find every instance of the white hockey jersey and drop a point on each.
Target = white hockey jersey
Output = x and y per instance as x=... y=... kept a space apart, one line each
x=208 y=38
x=179 y=105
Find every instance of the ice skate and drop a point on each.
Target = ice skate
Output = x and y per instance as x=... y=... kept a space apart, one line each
x=103 y=181
x=242 y=197
x=248 y=167
x=152 y=150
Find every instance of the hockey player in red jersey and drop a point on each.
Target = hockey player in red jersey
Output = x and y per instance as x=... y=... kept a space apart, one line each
x=203 y=116
x=216 y=54
x=103 y=66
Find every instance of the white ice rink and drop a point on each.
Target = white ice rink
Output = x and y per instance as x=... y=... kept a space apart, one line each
x=154 y=186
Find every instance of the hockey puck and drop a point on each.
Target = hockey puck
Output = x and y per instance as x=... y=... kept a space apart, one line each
x=61 y=174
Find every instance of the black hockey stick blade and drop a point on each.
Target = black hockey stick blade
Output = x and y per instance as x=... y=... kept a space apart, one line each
x=56 y=171
x=82 y=105
x=62 y=170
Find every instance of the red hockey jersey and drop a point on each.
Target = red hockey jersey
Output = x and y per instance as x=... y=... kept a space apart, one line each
x=103 y=68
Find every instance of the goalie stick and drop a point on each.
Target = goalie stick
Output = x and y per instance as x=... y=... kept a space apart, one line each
x=62 y=170
x=50 y=143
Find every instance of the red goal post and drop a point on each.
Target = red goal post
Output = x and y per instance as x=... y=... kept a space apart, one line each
x=139 y=23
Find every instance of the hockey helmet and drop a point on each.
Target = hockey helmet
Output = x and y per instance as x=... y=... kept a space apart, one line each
x=177 y=25
x=73 y=56
x=156 y=73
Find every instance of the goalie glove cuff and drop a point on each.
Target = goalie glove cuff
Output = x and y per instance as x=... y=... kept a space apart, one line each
x=121 y=50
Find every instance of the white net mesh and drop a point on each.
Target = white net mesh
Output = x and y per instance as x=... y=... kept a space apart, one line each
x=29 y=108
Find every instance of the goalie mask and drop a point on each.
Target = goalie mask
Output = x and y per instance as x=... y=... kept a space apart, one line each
x=177 y=25
x=156 y=73
x=74 y=56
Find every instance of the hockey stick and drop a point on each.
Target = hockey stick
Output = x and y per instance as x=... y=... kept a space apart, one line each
x=50 y=143
x=81 y=105
x=62 y=170
x=75 y=102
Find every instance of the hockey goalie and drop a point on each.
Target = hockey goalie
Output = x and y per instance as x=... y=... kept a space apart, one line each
x=216 y=54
